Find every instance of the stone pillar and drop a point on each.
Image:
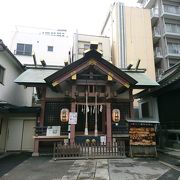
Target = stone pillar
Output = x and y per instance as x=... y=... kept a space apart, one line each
x=72 y=129
x=109 y=125
x=36 y=147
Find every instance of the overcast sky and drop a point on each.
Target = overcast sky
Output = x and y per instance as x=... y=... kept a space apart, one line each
x=87 y=16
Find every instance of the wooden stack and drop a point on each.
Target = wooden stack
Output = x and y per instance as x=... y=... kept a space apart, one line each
x=142 y=136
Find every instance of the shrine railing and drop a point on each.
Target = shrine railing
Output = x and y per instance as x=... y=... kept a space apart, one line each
x=89 y=150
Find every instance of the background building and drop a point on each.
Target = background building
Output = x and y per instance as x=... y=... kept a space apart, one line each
x=17 y=117
x=129 y=29
x=81 y=42
x=165 y=21
x=47 y=44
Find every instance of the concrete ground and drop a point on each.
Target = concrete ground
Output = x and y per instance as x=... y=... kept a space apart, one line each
x=10 y=160
x=38 y=168
x=44 y=168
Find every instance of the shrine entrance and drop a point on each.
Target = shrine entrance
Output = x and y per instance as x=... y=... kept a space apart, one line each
x=91 y=119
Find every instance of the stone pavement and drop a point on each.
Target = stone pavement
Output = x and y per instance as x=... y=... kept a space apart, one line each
x=88 y=169
x=116 y=169
x=171 y=152
x=44 y=168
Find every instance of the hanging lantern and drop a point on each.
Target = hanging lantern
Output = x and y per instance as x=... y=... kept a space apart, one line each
x=64 y=115
x=116 y=116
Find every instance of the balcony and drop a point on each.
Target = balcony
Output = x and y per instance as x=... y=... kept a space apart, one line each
x=23 y=53
x=172 y=31
x=147 y=3
x=156 y=35
x=171 y=12
x=173 y=53
x=158 y=54
x=154 y=15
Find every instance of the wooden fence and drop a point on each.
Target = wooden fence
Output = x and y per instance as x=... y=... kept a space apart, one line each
x=78 y=151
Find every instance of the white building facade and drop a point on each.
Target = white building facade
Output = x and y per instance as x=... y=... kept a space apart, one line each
x=81 y=43
x=49 y=45
x=10 y=69
x=17 y=117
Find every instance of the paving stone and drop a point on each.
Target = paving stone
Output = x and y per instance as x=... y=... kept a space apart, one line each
x=86 y=175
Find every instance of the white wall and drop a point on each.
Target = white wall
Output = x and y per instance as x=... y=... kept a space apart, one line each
x=81 y=39
x=40 y=43
x=153 y=108
x=10 y=91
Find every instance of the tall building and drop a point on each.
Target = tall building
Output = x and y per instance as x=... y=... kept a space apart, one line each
x=129 y=29
x=81 y=43
x=49 y=45
x=165 y=22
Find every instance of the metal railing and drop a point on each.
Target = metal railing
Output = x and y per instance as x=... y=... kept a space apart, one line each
x=154 y=12
x=171 y=9
x=156 y=31
x=172 y=28
x=24 y=53
x=158 y=52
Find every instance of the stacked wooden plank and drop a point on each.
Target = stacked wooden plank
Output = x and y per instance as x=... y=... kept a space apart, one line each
x=142 y=136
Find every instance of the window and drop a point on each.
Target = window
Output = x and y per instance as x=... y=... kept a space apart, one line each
x=24 y=49
x=50 y=48
x=1 y=74
x=145 y=110
x=86 y=46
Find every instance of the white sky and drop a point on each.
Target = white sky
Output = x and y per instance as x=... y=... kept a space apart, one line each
x=87 y=16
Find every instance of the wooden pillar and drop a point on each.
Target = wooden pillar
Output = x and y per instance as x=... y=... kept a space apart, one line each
x=96 y=126
x=109 y=126
x=86 y=123
x=36 y=147
x=131 y=104
x=42 y=106
x=103 y=120
x=72 y=129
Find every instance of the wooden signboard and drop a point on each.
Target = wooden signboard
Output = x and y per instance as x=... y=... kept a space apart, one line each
x=142 y=136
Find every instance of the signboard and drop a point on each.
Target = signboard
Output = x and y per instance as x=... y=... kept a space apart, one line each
x=73 y=118
x=53 y=131
x=142 y=136
x=103 y=140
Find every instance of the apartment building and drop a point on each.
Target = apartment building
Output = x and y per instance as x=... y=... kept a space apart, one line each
x=49 y=45
x=165 y=22
x=129 y=29
x=81 y=43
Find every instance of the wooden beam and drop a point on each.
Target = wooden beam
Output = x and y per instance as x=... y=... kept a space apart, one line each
x=90 y=82
x=101 y=68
